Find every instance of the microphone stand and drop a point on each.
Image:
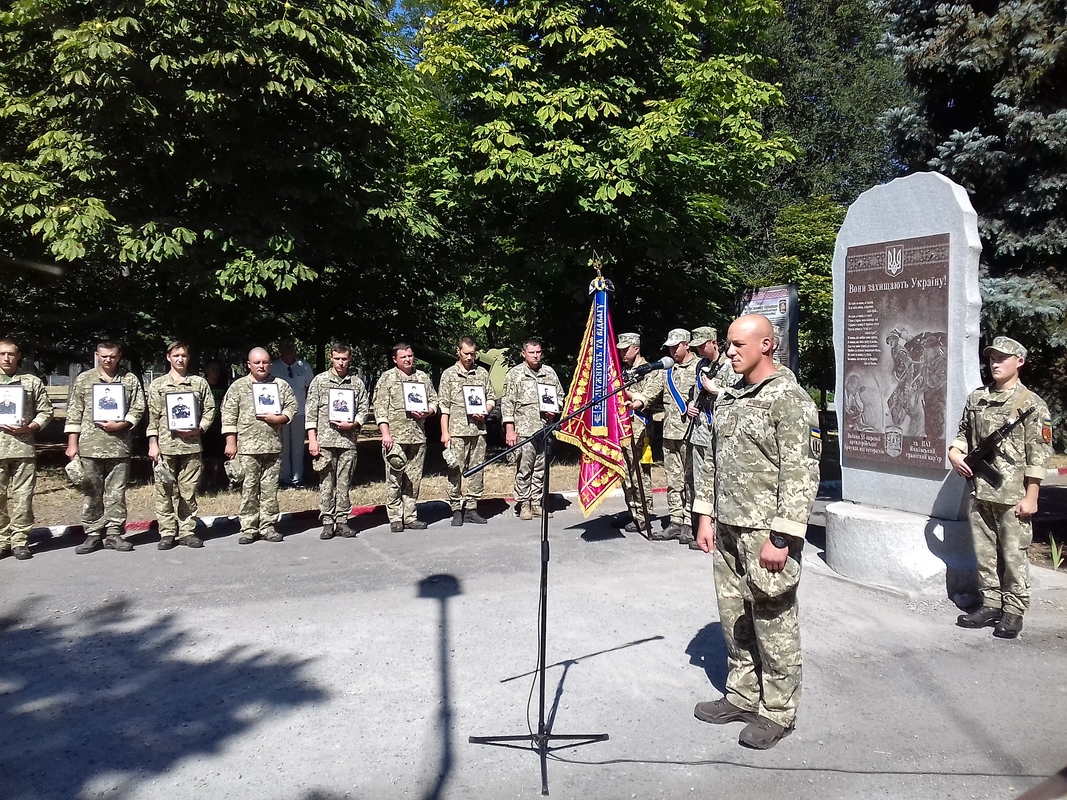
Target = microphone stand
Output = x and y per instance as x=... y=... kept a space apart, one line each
x=541 y=742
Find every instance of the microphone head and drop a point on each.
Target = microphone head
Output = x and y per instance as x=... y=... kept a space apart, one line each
x=667 y=362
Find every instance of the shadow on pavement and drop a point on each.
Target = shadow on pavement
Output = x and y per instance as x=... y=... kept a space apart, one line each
x=83 y=698
x=442 y=587
x=707 y=650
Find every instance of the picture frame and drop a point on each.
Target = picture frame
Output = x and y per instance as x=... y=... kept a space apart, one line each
x=415 y=396
x=267 y=398
x=183 y=411
x=12 y=404
x=547 y=398
x=474 y=399
x=109 y=402
x=342 y=405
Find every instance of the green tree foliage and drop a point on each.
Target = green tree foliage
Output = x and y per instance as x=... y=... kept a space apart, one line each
x=992 y=116
x=176 y=155
x=568 y=128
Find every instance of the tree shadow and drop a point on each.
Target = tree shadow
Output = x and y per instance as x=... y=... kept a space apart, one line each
x=102 y=692
x=707 y=650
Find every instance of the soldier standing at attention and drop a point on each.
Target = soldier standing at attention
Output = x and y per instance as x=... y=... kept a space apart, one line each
x=104 y=448
x=256 y=442
x=179 y=450
x=764 y=465
x=406 y=430
x=18 y=461
x=651 y=385
x=523 y=417
x=335 y=440
x=1000 y=515
x=298 y=374
x=463 y=433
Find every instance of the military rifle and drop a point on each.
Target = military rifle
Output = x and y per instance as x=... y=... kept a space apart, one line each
x=703 y=396
x=980 y=459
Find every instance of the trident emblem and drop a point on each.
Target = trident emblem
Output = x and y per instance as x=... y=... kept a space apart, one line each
x=894 y=261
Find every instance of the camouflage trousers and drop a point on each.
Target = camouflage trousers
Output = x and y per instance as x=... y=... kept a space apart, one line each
x=259 y=493
x=18 y=478
x=104 y=510
x=469 y=452
x=176 y=502
x=630 y=490
x=335 y=503
x=1000 y=544
x=678 y=464
x=292 y=435
x=530 y=473
x=762 y=633
x=402 y=488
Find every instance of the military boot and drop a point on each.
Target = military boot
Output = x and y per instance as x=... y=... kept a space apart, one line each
x=116 y=542
x=166 y=543
x=90 y=544
x=686 y=536
x=22 y=553
x=981 y=618
x=525 y=512
x=673 y=531
x=721 y=711
x=1009 y=626
x=537 y=512
x=328 y=531
x=191 y=540
x=762 y=734
x=471 y=515
x=457 y=519
x=5 y=550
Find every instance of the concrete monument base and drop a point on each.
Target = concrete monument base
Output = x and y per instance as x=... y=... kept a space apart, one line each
x=900 y=550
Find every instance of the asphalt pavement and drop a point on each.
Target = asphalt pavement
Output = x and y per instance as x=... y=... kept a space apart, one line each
x=358 y=668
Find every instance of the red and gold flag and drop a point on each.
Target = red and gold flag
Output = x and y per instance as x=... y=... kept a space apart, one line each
x=603 y=430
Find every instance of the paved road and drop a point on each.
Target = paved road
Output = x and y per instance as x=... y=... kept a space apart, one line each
x=313 y=670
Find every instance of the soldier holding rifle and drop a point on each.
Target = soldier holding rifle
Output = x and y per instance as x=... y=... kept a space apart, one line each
x=1005 y=478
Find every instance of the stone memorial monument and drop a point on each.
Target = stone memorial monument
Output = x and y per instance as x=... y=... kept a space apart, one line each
x=906 y=326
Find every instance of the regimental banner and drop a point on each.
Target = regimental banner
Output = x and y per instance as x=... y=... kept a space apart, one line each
x=602 y=431
x=896 y=345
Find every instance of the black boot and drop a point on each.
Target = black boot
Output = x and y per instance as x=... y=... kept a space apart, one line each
x=981 y=618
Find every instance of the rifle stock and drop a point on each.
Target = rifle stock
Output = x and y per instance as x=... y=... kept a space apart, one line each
x=980 y=459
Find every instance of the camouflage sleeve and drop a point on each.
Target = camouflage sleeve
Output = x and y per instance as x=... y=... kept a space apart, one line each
x=508 y=402
x=963 y=436
x=648 y=390
x=231 y=407
x=446 y=390
x=154 y=398
x=704 y=497
x=42 y=405
x=76 y=406
x=490 y=393
x=290 y=407
x=135 y=413
x=1038 y=433
x=561 y=393
x=799 y=442
x=431 y=393
x=362 y=402
x=380 y=400
x=207 y=405
x=316 y=394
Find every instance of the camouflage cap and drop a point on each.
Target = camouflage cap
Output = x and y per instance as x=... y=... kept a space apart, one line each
x=395 y=458
x=773 y=584
x=628 y=340
x=676 y=336
x=321 y=461
x=1009 y=347
x=76 y=472
x=235 y=470
x=163 y=473
x=703 y=335
x=450 y=458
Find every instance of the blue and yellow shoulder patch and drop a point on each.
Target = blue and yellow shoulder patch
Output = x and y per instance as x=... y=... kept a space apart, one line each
x=815 y=441
x=1046 y=430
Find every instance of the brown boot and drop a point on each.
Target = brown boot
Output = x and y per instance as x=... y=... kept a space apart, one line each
x=525 y=512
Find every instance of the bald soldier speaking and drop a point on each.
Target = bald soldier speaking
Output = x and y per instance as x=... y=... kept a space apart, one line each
x=761 y=478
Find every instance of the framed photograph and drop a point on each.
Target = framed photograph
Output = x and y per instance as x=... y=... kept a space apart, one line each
x=474 y=399
x=547 y=399
x=267 y=398
x=109 y=402
x=415 y=397
x=182 y=411
x=342 y=405
x=12 y=404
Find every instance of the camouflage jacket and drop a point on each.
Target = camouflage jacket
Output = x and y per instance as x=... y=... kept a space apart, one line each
x=646 y=391
x=675 y=423
x=763 y=463
x=254 y=436
x=521 y=404
x=317 y=409
x=451 y=395
x=1024 y=454
x=169 y=444
x=36 y=407
x=722 y=371
x=389 y=405
x=94 y=442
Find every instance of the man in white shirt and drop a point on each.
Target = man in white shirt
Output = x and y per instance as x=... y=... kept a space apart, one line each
x=298 y=374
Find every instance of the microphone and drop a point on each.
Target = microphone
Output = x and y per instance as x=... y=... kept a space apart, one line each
x=664 y=363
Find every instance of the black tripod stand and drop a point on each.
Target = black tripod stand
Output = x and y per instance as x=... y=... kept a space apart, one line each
x=541 y=741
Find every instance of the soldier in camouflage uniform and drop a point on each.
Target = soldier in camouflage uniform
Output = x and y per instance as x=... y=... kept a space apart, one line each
x=1000 y=516
x=522 y=417
x=713 y=373
x=104 y=448
x=764 y=466
x=463 y=433
x=256 y=442
x=18 y=463
x=335 y=440
x=179 y=449
x=651 y=385
x=678 y=390
x=406 y=430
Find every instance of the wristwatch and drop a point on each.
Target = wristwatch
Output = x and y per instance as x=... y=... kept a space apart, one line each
x=779 y=540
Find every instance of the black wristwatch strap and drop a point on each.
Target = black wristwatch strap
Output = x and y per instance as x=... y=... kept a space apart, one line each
x=779 y=540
